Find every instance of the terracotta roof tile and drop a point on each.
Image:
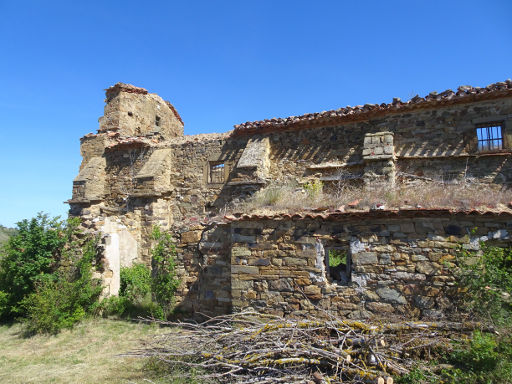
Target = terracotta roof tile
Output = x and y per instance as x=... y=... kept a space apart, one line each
x=413 y=212
x=464 y=94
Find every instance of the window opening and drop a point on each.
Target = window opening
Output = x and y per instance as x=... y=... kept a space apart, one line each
x=338 y=266
x=490 y=137
x=157 y=121
x=216 y=173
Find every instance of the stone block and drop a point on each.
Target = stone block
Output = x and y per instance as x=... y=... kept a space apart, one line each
x=313 y=292
x=191 y=237
x=391 y=296
x=377 y=307
x=237 y=238
x=245 y=269
x=363 y=258
x=425 y=267
x=385 y=259
x=295 y=261
x=241 y=285
x=261 y=262
x=240 y=252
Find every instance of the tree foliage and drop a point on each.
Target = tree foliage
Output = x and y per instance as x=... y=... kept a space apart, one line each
x=31 y=256
x=46 y=274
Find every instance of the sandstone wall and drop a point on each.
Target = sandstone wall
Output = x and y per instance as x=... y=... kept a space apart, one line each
x=400 y=265
x=425 y=140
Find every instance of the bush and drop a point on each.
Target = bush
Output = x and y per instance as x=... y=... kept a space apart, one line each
x=146 y=292
x=487 y=282
x=314 y=188
x=164 y=282
x=135 y=282
x=63 y=301
x=31 y=256
x=337 y=257
x=4 y=299
x=135 y=295
x=486 y=285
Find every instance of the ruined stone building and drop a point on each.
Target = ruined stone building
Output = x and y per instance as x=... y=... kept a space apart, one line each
x=140 y=170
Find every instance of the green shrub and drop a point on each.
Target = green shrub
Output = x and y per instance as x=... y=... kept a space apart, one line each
x=63 y=301
x=4 y=299
x=145 y=292
x=337 y=257
x=314 y=188
x=135 y=295
x=164 y=282
x=487 y=282
x=31 y=256
x=485 y=288
x=135 y=282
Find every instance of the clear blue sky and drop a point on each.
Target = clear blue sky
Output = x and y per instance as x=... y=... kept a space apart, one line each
x=220 y=63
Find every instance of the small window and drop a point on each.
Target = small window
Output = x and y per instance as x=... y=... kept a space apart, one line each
x=338 y=266
x=216 y=173
x=157 y=121
x=490 y=137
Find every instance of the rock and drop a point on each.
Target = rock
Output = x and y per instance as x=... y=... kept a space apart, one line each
x=313 y=292
x=191 y=237
x=363 y=258
x=390 y=295
x=425 y=267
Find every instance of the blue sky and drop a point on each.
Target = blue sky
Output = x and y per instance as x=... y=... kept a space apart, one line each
x=220 y=63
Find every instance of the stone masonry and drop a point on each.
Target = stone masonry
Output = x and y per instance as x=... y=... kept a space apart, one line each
x=140 y=170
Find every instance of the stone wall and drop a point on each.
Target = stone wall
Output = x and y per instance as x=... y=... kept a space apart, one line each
x=443 y=138
x=400 y=263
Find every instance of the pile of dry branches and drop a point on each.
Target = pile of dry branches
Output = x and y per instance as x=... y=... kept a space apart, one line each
x=250 y=347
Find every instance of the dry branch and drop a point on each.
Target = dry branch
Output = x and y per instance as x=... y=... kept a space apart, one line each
x=250 y=347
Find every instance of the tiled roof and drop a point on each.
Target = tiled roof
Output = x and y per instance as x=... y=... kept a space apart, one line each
x=414 y=212
x=464 y=94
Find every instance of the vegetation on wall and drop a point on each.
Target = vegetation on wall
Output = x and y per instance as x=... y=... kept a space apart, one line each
x=291 y=196
x=148 y=292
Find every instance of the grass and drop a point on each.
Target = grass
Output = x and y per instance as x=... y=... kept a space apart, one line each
x=292 y=197
x=88 y=353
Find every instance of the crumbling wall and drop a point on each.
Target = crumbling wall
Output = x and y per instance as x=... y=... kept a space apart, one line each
x=132 y=111
x=139 y=171
x=402 y=265
x=444 y=137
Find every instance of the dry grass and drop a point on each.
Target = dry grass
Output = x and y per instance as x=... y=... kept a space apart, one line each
x=86 y=354
x=290 y=197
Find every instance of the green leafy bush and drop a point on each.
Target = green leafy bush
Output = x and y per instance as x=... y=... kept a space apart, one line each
x=4 y=299
x=135 y=282
x=314 y=188
x=337 y=257
x=146 y=292
x=135 y=295
x=67 y=298
x=31 y=256
x=164 y=282
x=487 y=281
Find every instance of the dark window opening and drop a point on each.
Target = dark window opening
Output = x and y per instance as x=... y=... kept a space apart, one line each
x=130 y=114
x=216 y=174
x=157 y=121
x=490 y=137
x=338 y=265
